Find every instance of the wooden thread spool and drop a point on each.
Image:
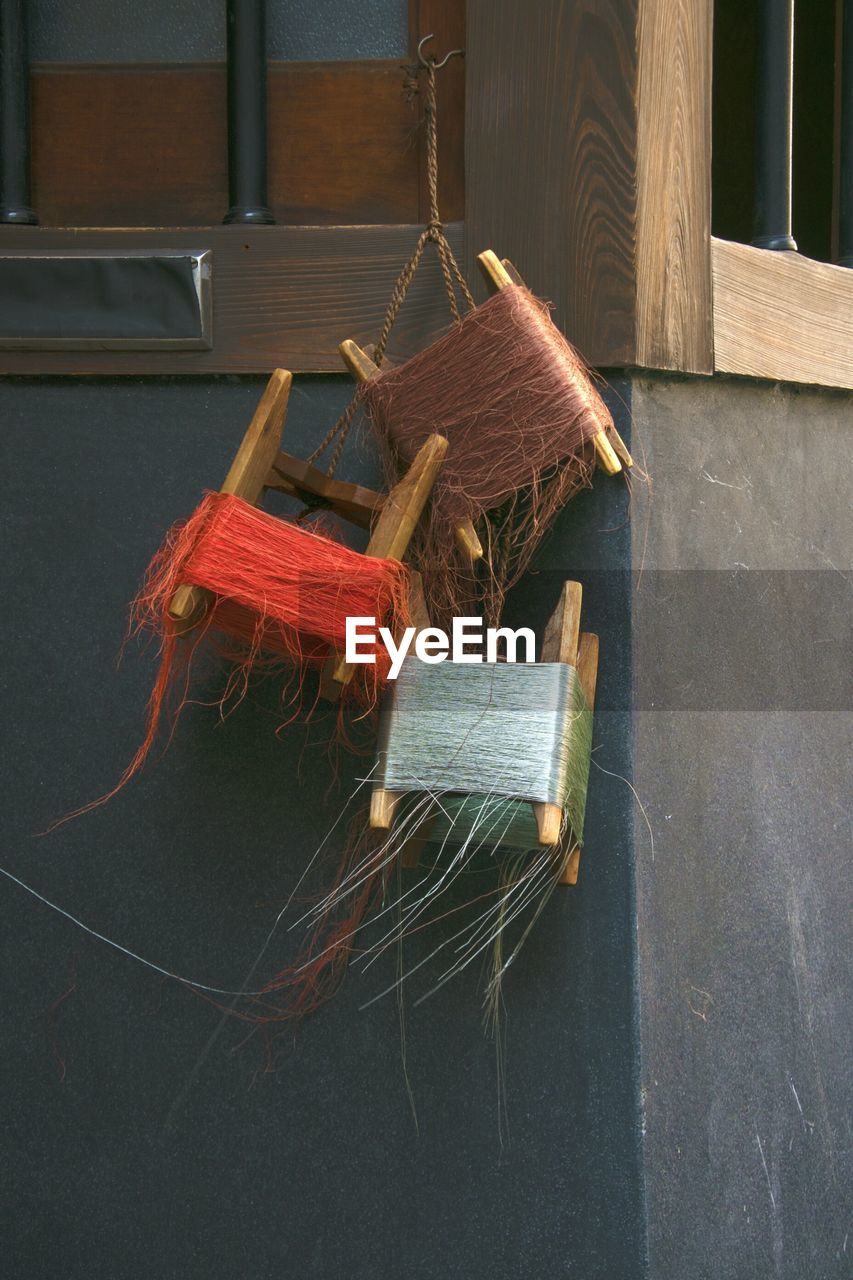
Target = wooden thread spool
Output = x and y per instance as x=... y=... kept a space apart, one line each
x=260 y=464
x=564 y=643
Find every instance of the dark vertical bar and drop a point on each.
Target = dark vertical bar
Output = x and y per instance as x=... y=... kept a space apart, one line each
x=14 y=115
x=247 y=112
x=773 y=126
x=845 y=154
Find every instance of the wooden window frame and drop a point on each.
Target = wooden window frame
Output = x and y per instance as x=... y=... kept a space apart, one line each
x=606 y=133
x=587 y=153
x=282 y=295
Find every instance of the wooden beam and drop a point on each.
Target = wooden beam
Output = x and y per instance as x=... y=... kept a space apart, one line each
x=383 y=810
x=248 y=472
x=299 y=479
x=673 y=219
x=781 y=316
x=281 y=295
x=550 y=158
x=607 y=134
x=402 y=508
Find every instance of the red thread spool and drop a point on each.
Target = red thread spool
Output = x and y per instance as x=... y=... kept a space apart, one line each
x=278 y=585
x=282 y=595
x=519 y=408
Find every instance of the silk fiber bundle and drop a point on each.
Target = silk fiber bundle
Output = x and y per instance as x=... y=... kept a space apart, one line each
x=519 y=408
x=281 y=597
x=480 y=734
x=470 y=747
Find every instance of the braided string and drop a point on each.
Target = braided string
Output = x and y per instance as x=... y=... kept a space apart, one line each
x=450 y=270
x=433 y=231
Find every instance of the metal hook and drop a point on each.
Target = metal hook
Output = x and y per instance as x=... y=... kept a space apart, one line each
x=424 y=62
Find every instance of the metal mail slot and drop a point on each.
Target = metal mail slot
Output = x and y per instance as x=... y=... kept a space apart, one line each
x=144 y=301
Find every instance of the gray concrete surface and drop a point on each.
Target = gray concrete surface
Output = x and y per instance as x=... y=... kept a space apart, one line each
x=743 y=893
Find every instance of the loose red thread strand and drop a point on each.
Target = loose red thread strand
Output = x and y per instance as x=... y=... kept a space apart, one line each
x=519 y=407
x=302 y=987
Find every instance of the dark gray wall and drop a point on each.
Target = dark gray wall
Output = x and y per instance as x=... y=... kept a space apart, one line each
x=142 y=1136
x=698 y=1098
x=743 y=728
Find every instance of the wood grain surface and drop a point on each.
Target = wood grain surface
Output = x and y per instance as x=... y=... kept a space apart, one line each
x=781 y=316
x=282 y=296
x=550 y=154
x=673 y=267
x=445 y=21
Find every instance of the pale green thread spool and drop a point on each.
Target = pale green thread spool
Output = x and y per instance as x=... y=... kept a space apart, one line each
x=488 y=739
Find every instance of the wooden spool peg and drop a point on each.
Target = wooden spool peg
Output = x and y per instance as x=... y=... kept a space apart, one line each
x=397 y=521
x=363 y=369
x=588 y=676
x=499 y=274
x=559 y=644
x=383 y=806
x=384 y=809
x=245 y=479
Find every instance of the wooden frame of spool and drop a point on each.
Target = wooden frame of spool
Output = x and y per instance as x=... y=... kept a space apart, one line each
x=260 y=464
x=563 y=641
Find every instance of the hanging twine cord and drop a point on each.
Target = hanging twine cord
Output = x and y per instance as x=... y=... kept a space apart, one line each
x=432 y=232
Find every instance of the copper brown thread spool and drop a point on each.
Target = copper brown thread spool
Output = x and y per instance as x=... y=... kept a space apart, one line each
x=521 y=413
